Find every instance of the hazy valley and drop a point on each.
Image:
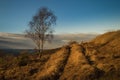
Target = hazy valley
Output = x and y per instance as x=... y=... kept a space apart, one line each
x=19 y=41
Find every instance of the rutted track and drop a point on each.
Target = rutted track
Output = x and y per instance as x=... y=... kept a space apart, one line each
x=78 y=67
x=69 y=63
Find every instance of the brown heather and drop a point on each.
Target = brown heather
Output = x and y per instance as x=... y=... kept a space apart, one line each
x=98 y=59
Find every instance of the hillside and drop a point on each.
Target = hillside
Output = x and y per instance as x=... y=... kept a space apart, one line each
x=98 y=59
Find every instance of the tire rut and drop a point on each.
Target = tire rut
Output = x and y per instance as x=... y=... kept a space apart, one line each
x=78 y=67
x=55 y=65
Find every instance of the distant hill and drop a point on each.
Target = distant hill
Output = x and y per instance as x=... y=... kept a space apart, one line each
x=98 y=59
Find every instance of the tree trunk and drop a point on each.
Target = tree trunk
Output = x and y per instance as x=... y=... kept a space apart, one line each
x=39 y=50
x=42 y=47
x=42 y=42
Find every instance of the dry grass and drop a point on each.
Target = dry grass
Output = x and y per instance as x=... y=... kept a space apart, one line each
x=107 y=37
x=95 y=60
x=55 y=64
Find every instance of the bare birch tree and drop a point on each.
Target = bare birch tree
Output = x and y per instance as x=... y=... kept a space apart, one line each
x=40 y=27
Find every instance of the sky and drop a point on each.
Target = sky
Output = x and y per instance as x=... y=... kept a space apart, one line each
x=73 y=16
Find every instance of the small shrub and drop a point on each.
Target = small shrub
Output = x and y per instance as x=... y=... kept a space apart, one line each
x=72 y=42
x=6 y=61
x=23 y=59
x=32 y=71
